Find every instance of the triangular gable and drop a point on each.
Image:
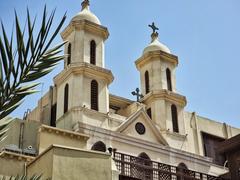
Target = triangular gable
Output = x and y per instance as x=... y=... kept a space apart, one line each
x=151 y=134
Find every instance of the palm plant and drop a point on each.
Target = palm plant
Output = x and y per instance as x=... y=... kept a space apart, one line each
x=31 y=59
x=34 y=177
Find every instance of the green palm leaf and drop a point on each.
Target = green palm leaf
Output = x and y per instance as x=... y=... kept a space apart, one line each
x=30 y=60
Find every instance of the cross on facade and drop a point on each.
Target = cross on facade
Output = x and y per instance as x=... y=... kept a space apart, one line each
x=138 y=94
x=154 y=28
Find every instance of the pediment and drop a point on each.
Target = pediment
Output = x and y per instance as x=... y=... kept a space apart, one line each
x=147 y=133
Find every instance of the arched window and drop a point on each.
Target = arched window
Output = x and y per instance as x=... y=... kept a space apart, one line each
x=174 y=118
x=66 y=89
x=149 y=113
x=99 y=146
x=144 y=160
x=69 y=51
x=182 y=170
x=93 y=52
x=94 y=95
x=146 y=82
x=169 y=79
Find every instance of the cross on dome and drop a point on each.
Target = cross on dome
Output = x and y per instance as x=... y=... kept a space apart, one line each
x=85 y=4
x=154 y=28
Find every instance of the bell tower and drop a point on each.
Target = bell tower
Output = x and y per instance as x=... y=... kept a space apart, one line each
x=82 y=87
x=158 y=85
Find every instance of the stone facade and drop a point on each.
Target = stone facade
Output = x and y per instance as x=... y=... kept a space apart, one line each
x=166 y=132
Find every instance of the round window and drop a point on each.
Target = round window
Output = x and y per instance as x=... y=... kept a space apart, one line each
x=140 y=128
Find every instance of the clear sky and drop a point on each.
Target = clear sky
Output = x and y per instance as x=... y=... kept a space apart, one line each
x=204 y=34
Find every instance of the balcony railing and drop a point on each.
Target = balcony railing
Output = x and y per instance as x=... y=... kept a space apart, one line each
x=144 y=169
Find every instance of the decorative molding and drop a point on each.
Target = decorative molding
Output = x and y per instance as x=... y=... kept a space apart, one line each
x=148 y=121
x=17 y=156
x=151 y=56
x=165 y=95
x=68 y=148
x=159 y=148
x=61 y=132
x=85 y=69
x=86 y=26
x=181 y=137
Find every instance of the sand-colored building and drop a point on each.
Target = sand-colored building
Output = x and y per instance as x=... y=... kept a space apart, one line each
x=80 y=131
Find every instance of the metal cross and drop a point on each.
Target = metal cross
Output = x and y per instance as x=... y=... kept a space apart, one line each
x=138 y=94
x=85 y=3
x=154 y=28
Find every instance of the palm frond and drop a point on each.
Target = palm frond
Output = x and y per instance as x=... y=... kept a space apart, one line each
x=30 y=60
x=23 y=177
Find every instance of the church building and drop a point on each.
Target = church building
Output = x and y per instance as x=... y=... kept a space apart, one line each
x=79 y=123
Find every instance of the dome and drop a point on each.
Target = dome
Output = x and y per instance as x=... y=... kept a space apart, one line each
x=155 y=45
x=86 y=14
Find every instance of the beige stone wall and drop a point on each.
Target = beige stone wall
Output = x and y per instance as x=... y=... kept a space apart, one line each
x=42 y=165
x=29 y=134
x=11 y=167
x=157 y=75
x=87 y=165
x=61 y=163
x=50 y=136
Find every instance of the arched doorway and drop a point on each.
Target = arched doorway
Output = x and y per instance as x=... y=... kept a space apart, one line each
x=182 y=170
x=144 y=167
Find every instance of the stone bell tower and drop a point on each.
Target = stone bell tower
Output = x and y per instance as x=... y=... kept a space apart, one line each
x=157 y=73
x=83 y=84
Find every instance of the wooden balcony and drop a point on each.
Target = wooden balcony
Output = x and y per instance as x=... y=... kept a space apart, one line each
x=136 y=168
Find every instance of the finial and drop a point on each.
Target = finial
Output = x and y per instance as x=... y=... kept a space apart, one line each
x=154 y=34
x=85 y=4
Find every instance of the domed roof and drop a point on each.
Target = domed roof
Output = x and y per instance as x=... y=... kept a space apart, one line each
x=86 y=14
x=155 y=45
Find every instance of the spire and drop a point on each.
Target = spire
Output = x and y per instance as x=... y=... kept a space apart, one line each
x=85 y=4
x=154 y=34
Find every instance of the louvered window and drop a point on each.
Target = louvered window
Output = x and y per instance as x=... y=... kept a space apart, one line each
x=174 y=118
x=94 y=95
x=66 y=89
x=69 y=51
x=93 y=52
x=146 y=82
x=169 y=79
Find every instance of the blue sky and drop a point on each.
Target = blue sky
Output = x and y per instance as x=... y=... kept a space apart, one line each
x=203 y=34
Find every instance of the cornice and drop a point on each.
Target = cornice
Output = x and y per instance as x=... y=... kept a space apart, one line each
x=152 y=55
x=56 y=146
x=87 y=26
x=86 y=69
x=19 y=157
x=166 y=95
x=62 y=132
x=116 y=136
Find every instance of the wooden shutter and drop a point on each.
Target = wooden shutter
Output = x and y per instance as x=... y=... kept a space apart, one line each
x=94 y=95
x=93 y=52
x=69 y=53
x=169 y=79
x=146 y=82
x=174 y=118
x=66 y=89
